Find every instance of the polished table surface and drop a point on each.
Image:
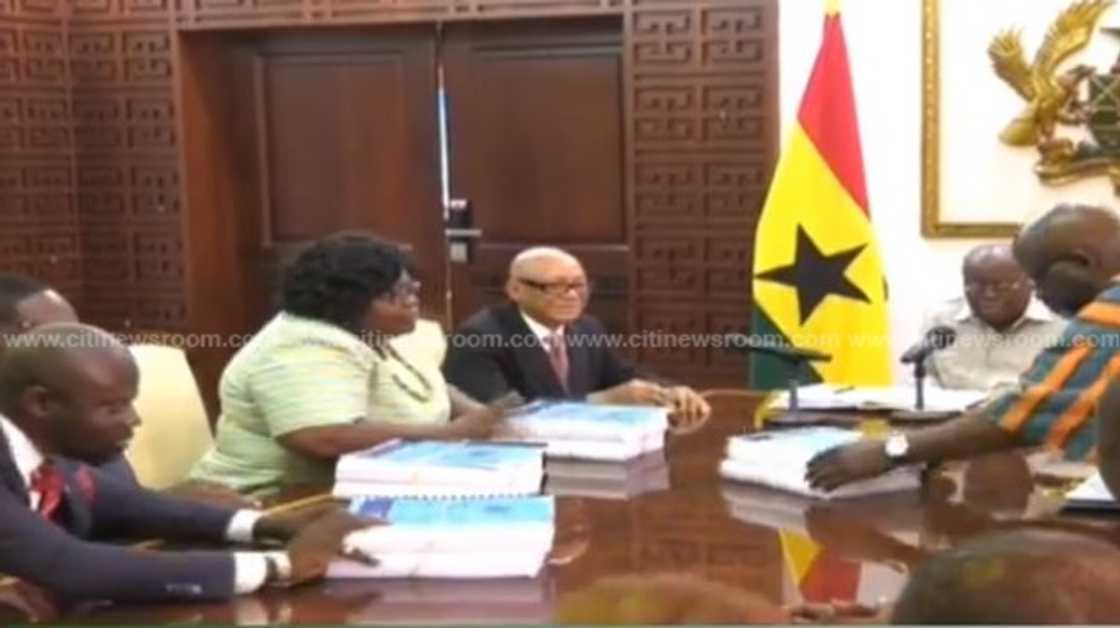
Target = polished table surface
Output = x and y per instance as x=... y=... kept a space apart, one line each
x=786 y=549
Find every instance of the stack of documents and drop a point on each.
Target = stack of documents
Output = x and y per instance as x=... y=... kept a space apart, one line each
x=470 y=538
x=1092 y=494
x=440 y=469
x=608 y=480
x=780 y=459
x=897 y=398
x=589 y=431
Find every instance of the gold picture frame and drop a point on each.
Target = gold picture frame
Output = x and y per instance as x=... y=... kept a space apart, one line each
x=933 y=226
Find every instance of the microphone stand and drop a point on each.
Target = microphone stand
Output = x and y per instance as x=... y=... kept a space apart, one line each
x=920 y=384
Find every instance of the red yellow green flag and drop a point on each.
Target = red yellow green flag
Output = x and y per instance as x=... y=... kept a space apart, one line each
x=818 y=276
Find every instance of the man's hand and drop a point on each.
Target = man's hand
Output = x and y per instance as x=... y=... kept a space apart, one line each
x=319 y=541
x=211 y=493
x=284 y=526
x=21 y=602
x=842 y=465
x=635 y=392
x=690 y=410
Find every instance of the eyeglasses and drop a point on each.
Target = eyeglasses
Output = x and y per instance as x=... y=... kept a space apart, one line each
x=558 y=288
x=402 y=291
x=997 y=286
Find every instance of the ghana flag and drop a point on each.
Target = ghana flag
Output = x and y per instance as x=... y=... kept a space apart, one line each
x=818 y=278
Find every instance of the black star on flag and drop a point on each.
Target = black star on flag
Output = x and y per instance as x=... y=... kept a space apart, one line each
x=815 y=275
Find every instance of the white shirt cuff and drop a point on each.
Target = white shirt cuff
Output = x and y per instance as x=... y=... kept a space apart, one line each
x=249 y=572
x=240 y=528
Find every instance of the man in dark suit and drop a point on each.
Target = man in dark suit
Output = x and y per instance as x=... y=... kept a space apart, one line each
x=541 y=344
x=66 y=395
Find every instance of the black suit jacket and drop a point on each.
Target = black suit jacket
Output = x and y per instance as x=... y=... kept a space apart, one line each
x=494 y=351
x=66 y=559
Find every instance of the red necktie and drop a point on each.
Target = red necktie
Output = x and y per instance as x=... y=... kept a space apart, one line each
x=558 y=357
x=47 y=481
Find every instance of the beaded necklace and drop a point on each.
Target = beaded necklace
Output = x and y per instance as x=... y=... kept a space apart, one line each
x=422 y=397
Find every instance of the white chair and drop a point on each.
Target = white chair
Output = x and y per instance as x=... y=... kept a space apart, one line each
x=174 y=430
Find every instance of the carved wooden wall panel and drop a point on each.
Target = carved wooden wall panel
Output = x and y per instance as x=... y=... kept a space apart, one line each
x=703 y=140
x=38 y=218
x=126 y=138
x=91 y=183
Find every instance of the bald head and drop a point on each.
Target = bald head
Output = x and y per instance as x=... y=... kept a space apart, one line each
x=26 y=302
x=549 y=285
x=1071 y=252
x=70 y=388
x=1019 y=577
x=987 y=254
x=535 y=259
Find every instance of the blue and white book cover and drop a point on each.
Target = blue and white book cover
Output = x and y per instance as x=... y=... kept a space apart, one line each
x=466 y=455
x=456 y=513
x=617 y=415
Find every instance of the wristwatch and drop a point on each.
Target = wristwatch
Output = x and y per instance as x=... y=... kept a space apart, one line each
x=279 y=568
x=896 y=447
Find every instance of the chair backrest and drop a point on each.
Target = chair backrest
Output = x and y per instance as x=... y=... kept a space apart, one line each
x=175 y=431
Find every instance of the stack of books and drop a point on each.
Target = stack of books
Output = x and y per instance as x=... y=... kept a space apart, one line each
x=434 y=469
x=647 y=473
x=779 y=459
x=571 y=429
x=470 y=538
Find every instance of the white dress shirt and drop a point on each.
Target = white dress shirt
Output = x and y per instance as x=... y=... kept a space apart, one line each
x=250 y=568
x=983 y=358
x=543 y=334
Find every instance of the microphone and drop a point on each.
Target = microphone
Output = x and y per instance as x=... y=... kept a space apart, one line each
x=749 y=344
x=936 y=339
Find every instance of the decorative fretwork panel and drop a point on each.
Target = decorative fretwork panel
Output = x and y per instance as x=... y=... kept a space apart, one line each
x=90 y=143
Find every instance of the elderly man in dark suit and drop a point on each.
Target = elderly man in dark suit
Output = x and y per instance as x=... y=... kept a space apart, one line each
x=66 y=395
x=541 y=344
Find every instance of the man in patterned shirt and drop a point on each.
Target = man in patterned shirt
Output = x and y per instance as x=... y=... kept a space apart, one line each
x=1073 y=255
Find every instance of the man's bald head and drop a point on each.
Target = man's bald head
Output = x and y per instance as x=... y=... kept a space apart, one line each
x=548 y=284
x=986 y=254
x=26 y=302
x=538 y=257
x=70 y=388
x=1020 y=577
x=1071 y=252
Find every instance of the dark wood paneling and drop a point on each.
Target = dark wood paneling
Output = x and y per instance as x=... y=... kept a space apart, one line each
x=38 y=217
x=539 y=150
x=702 y=140
x=699 y=99
x=347 y=132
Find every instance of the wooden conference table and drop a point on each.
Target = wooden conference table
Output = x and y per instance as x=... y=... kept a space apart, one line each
x=783 y=548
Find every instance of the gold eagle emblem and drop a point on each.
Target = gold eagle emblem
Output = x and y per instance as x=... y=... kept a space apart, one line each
x=1051 y=96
